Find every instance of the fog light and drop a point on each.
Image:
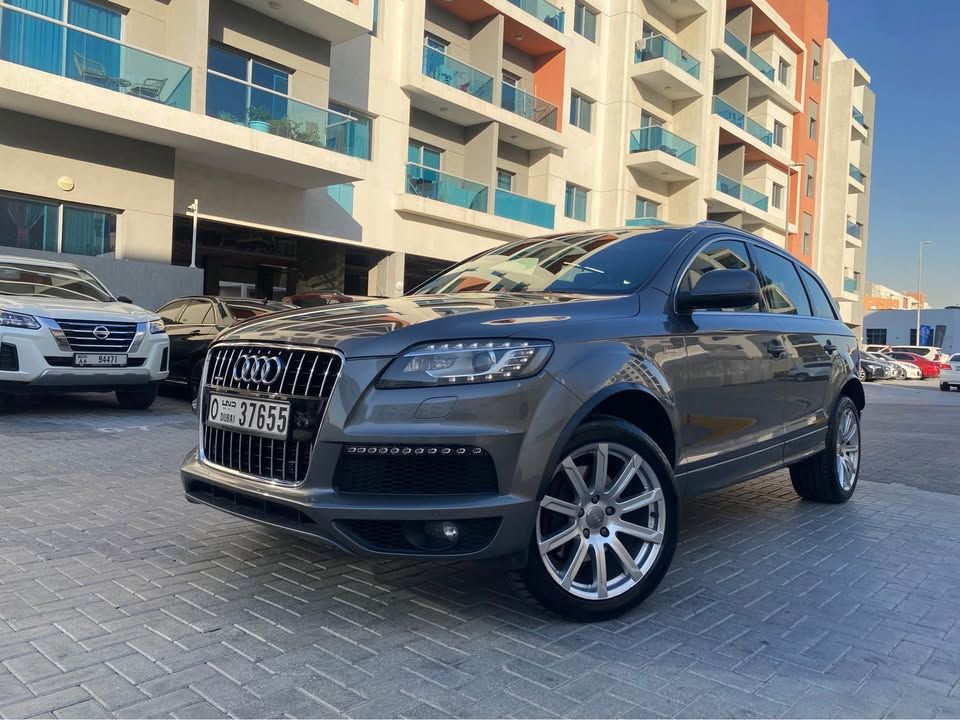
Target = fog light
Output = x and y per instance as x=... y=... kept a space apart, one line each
x=446 y=532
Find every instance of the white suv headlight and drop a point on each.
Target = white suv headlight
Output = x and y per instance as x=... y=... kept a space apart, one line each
x=18 y=320
x=156 y=327
x=466 y=362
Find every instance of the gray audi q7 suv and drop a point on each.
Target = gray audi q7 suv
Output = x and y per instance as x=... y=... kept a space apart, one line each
x=548 y=402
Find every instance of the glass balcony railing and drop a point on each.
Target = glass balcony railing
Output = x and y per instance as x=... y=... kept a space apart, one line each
x=529 y=106
x=854 y=229
x=267 y=111
x=857 y=174
x=545 y=11
x=431 y=183
x=755 y=198
x=858 y=116
x=645 y=222
x=657 y=138
x=738 y=45
x=731 y=114
x=728 y=186
x=52 y=46
x=524 y=209
x=762 y=65
x=454 y=73
x=851 y=284
x=660 y=47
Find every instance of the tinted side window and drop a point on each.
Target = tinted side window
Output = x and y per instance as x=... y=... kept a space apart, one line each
x=719 y=255
x=782 y=289
x=822 y=307
x=197 y=313
x=170 y=313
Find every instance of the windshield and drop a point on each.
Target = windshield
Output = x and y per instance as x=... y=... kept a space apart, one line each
x=69 y=283
x=600 y=264
x=245 y=311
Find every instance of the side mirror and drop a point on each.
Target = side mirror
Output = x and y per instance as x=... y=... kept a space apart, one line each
x=124 y=299
x=721 y=290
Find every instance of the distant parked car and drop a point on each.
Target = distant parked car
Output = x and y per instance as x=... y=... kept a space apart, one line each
x=928 y=368
x=872 y=370
x=892 y=368
x=320 y=299
x=63 y=331
x=193 y=322
x=927 y=352
x=910 y=371
x=876 y=348
x=951 y=378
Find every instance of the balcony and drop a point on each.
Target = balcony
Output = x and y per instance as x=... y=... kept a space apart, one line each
x=751 y=197
x=645 y=222
x=765 y=68
x=858 y=116
x=734 y=116
x=53 y=47
x=335 y=20
x=266 y=111
x=854 y=229
x=851 y=284
x=682 y=9
x=430 y=183
x=660 y=47
x=738 y=45
x=523 y=209
x=544 y=11
x=728 y=186
x=457 y=74
x=659 y=153
x=857 y=178
x=529 y=106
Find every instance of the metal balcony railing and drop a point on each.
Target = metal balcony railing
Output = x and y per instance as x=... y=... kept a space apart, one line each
x=658 y=138
x=543 y=10
x=457 y=74
x=660 y=47
x=529 y=106
x=524 y=209
x=431 y=183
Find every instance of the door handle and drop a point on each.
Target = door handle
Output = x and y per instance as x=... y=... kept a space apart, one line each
x=830 y=348
x=776 y=349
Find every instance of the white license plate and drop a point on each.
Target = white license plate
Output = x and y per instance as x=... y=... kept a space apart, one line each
x=99 y=360
x=264 y=418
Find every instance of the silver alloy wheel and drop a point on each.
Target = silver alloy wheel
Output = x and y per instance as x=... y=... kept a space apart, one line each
x=600 y=527
x=848 y=449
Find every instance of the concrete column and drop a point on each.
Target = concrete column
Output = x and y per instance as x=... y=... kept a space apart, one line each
x=486 y=50
x=386 y=277
x=188 y=37
x=480 y=157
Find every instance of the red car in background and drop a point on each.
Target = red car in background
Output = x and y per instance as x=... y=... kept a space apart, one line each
x=928 y=368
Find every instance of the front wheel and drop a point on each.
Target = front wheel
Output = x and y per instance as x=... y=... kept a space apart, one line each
x=138 y=397
x=606 y=526
x=945 y=387
x=831 y=475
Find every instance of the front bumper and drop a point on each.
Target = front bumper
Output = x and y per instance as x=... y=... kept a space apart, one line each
x=515 y=423
x=42 y=366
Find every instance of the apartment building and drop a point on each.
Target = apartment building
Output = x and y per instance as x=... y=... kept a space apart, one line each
x=880 y=297
x=361 y=145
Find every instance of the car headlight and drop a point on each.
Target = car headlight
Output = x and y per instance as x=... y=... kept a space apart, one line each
x=466 y=362
x=18 y=320
x=871 y=366
x=156 y=327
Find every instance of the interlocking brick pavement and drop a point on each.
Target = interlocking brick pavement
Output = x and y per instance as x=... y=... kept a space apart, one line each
x=118 y=598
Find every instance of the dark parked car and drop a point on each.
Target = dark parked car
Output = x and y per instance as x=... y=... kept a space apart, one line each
x=548 y=402
x=322 y=299
x=193 y=322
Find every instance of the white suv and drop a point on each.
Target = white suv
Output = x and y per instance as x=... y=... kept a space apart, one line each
x=61 y=330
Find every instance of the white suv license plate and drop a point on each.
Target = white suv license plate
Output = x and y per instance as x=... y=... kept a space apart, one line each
x=99 y=360
x=263 y=418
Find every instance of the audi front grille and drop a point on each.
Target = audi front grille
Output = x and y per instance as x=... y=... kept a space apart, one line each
x=96 y=336
x=306 y=380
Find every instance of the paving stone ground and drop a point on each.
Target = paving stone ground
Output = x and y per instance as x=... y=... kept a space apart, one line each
x=117 y=598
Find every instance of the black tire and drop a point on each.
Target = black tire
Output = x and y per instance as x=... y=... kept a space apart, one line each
x=542 y=582
x=817 y=478
x=945 y=387
x=138 y=397
x=863 y=376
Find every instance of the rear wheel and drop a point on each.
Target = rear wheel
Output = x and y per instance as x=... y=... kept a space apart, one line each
x=831 y=475
x=945 y=387
x=606 y=526
x=138 y=397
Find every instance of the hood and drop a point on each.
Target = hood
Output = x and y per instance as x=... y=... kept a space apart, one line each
x=67 y=309
x=385 y=327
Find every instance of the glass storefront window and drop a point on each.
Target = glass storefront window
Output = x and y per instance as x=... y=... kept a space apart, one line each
x=36 y=225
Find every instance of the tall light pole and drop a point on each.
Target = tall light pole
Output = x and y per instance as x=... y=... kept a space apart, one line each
x=194 y=208
x=920 y=285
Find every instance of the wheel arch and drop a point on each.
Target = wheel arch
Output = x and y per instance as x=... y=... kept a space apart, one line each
x=854 y=390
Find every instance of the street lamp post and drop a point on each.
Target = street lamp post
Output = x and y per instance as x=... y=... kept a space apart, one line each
x=194 y=208
x=920 y=285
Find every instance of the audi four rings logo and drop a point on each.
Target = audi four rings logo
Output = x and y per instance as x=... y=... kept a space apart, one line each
x=259 y=369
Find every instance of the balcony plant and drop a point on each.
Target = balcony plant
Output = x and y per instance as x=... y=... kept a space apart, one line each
x=229 y=117
x=258 y=118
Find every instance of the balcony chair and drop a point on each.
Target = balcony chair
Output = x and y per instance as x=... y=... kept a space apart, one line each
x=149 y=89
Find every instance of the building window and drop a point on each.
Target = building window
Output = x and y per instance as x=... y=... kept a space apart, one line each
x=358 y=134
x=243 y=90
x=815 y=62
x=585 y=21
x=426 y=157
x=648 y=120
x=813 y=111
x=807 y=227
x=36 y=224
x=647 y=208
x=575 y=202
x=776 y=197
x=510 y=79
x=783 y=72
x=581 y=111
x=435 y=43
x=505 y=180
x=376 y=17
x=810 y=171
x=877 y=336
x=779 y=130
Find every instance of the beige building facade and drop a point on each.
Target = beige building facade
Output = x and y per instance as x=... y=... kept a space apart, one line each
x=360 y=146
